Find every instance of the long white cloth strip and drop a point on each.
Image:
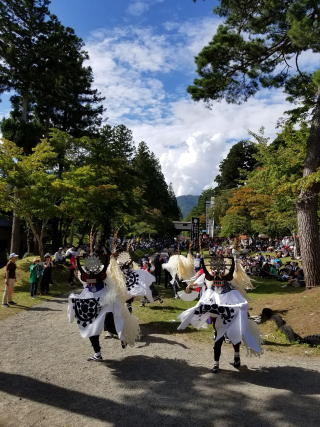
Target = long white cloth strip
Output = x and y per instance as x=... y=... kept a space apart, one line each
x=188 y=297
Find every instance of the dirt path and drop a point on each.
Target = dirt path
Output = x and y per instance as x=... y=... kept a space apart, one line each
x=46 y=381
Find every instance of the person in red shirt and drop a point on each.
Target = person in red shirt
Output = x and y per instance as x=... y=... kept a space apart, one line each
x=72 y=268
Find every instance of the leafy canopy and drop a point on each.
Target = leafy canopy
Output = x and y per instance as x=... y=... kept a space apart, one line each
x=253 y=46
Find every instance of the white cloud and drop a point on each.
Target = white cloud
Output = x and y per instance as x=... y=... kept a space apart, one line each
x=186 y=170
x=194 y=140
x=139 y=7
x=132 y=67
x=129 y=64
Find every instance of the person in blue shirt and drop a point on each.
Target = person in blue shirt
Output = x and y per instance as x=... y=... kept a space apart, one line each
x=261 y=259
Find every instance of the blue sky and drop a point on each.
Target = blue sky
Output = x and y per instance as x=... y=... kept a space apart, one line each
x=142 y=55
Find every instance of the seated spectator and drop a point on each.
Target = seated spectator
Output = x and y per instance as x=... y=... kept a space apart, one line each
x=69 y=252
x=273 y=272
x=278 y=260
x=297 y=281
x=58 y=257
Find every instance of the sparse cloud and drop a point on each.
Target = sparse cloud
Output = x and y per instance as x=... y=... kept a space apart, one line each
x=143 y=73
x=137 y=8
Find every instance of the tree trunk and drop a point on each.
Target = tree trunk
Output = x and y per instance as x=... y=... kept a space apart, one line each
x=41 y=251
x=296 y=245
x=38 y=236
x=55 y=232
x=28 y=240
x=71 y=231
x=25 y=99
x=307 y=205
x=47 y=123
x=15 y=234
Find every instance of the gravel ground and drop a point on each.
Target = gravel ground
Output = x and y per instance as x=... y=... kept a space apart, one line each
x=164 y=380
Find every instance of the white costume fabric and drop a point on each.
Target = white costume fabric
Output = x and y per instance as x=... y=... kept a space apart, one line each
x=229 y=308
x=91 y=306
x=138 y=283
x=90 y=311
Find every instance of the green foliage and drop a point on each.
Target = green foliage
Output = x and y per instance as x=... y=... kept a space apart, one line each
x=248 y=50
x=220 y=206
x=234 y=224
x=235 y=167
x=48 y=92
x=281 y=168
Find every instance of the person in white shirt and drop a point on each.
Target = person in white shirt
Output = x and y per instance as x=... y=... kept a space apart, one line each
x=69 y=252
x=58 y=257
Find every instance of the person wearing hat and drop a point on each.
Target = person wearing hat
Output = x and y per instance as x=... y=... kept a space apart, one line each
x=46 y=276
x=58 y=257
x=10 y=280
x=72 y=267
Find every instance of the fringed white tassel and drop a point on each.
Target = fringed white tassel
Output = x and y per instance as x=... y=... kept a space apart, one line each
x=241 y=281
x=131 y=329
x=241 y=278
x=255 y=332
x=181 y=266
x=118 y=277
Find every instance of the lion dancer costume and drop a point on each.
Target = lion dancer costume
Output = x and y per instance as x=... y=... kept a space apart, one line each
x=138 y=284
x=224 y=304
x=103 y=300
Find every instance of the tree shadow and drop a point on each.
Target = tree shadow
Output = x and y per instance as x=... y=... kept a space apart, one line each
x=167 y=392
x=297 y=380
x=147 y=339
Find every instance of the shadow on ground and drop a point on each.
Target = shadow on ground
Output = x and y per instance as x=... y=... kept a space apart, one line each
x=171 y=392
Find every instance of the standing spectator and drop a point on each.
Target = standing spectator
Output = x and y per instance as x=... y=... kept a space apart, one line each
x=261 y=259
x=157 y=262
x=197 y=262
x=58 y=257
x=155 y=293
x=72 y=268
x=46 y=277
x=35 y=275
x=10 y=280
x=167 y=275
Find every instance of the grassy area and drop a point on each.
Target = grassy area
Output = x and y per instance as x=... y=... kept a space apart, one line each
x=22 y=296
x=299 y=308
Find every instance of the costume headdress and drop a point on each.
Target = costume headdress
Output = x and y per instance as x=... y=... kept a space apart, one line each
x=93 y=271
x=125 y=262
x=219 y=270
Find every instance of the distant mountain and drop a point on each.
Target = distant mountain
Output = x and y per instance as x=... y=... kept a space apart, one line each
x=186 y=203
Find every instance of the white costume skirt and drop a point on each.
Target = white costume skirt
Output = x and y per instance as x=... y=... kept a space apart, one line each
x=231 y=313
x=90 y=315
